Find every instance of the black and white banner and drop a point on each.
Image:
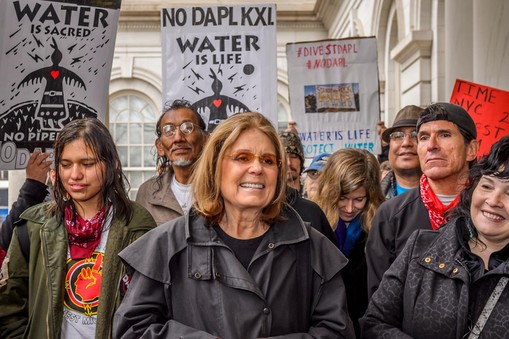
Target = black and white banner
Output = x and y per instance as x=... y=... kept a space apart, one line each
x=55 y=63
x=221 y=58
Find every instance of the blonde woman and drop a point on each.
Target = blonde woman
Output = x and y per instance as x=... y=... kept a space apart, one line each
x=349 y=193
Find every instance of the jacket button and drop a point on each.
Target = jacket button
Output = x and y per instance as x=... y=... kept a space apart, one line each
x=271 y=245
x=266 y=310
x=217 y=274
x=197 y=275
x=428 y=259
x=455 y=270
x=441 y=265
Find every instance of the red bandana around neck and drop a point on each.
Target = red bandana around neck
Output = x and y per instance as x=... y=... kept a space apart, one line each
x=436 y=209
x=84 y=235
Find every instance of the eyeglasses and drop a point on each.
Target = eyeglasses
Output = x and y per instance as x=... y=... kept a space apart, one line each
x=400 y=136
x=246 y=158
x=186 y=128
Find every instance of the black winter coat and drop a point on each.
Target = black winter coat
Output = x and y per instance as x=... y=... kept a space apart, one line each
x=428 y=292
x=395 y=220
x=188 y=284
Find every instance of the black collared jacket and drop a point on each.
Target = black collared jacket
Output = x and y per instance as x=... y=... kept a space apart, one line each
x=187 y=283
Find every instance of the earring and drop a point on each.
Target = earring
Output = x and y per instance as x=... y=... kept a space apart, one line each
x=67 y=196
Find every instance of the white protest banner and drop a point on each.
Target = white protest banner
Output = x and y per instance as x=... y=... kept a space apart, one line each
x=334 y=94
x=55 y=61
x=222 y=59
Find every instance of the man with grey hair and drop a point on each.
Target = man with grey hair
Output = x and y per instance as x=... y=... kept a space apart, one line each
x=181 y=135
x=446 y=146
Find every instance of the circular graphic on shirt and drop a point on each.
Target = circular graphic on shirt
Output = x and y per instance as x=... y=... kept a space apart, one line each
x=83 y=284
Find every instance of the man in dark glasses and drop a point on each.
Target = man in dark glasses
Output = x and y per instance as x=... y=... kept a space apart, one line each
x=446 y=145
x=181 y=135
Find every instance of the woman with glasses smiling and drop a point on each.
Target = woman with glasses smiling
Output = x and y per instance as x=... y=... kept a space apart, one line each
x=239 y=265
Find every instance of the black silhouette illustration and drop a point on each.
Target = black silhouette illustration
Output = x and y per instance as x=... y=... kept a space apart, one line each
x=53 y=111
x=219 y=106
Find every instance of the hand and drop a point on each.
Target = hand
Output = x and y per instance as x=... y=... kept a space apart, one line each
x=38 y=166
x=89 y=281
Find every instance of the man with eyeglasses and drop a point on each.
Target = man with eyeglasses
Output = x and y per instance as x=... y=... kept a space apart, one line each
x=402 y=139
x=181 y=135
x=446 y=146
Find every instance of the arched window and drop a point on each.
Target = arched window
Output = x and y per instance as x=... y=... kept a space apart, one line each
x=132 y=125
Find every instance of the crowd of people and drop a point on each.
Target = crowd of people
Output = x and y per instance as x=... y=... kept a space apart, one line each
x=239 y=239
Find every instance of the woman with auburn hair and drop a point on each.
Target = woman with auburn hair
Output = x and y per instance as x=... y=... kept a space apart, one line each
x=349 y=193
x=239 y=265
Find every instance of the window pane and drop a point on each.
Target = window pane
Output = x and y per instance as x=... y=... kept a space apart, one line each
x=135 y=156
x=149 y=133
x=149 y=156
x=118 y=105
x=135 y=136
x=148 y=114
x=122 y=153
x=121 y=137
x=136 y=179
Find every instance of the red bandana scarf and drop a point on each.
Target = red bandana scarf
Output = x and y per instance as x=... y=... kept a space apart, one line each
x=84 y=235
x=434 y=206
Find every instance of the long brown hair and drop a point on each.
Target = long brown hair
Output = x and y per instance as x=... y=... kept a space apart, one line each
x=345 y=171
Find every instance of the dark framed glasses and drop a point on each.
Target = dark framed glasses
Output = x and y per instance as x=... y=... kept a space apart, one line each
x=186 y=128
x=246 y=158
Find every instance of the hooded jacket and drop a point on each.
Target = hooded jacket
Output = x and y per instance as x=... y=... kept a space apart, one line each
x=32 y=299
x=292 y=287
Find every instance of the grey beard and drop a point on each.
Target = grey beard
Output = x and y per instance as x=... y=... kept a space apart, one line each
x=182 y=162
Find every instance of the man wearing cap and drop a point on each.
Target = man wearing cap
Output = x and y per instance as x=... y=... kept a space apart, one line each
x=308 y=210
x=446 y=145
x=402 y=139
x=312 y=173
x=294 y=157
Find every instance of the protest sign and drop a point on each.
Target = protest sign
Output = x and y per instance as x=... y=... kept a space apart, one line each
x=56 y=61
x=222 y=59
x=488 y=107
x=334 y=94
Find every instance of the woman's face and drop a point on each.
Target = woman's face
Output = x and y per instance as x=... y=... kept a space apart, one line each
x=490 y=210
x=351 y=204
x=82 y=176
x=249 y=172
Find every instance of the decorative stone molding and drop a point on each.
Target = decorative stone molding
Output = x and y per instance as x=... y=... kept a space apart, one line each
x=415 y=45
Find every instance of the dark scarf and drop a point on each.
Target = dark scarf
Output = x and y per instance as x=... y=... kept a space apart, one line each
x=84 y=235
x=348 y=236
x=436 y=209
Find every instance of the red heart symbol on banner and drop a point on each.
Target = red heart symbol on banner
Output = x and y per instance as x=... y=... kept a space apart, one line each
x=54 y=74
x=217 y=102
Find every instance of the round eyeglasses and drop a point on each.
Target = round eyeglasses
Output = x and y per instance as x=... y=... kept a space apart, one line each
x=187 y=127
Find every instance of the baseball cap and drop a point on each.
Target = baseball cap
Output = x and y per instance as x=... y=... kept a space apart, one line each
x=318 y=162
x=449 y=112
